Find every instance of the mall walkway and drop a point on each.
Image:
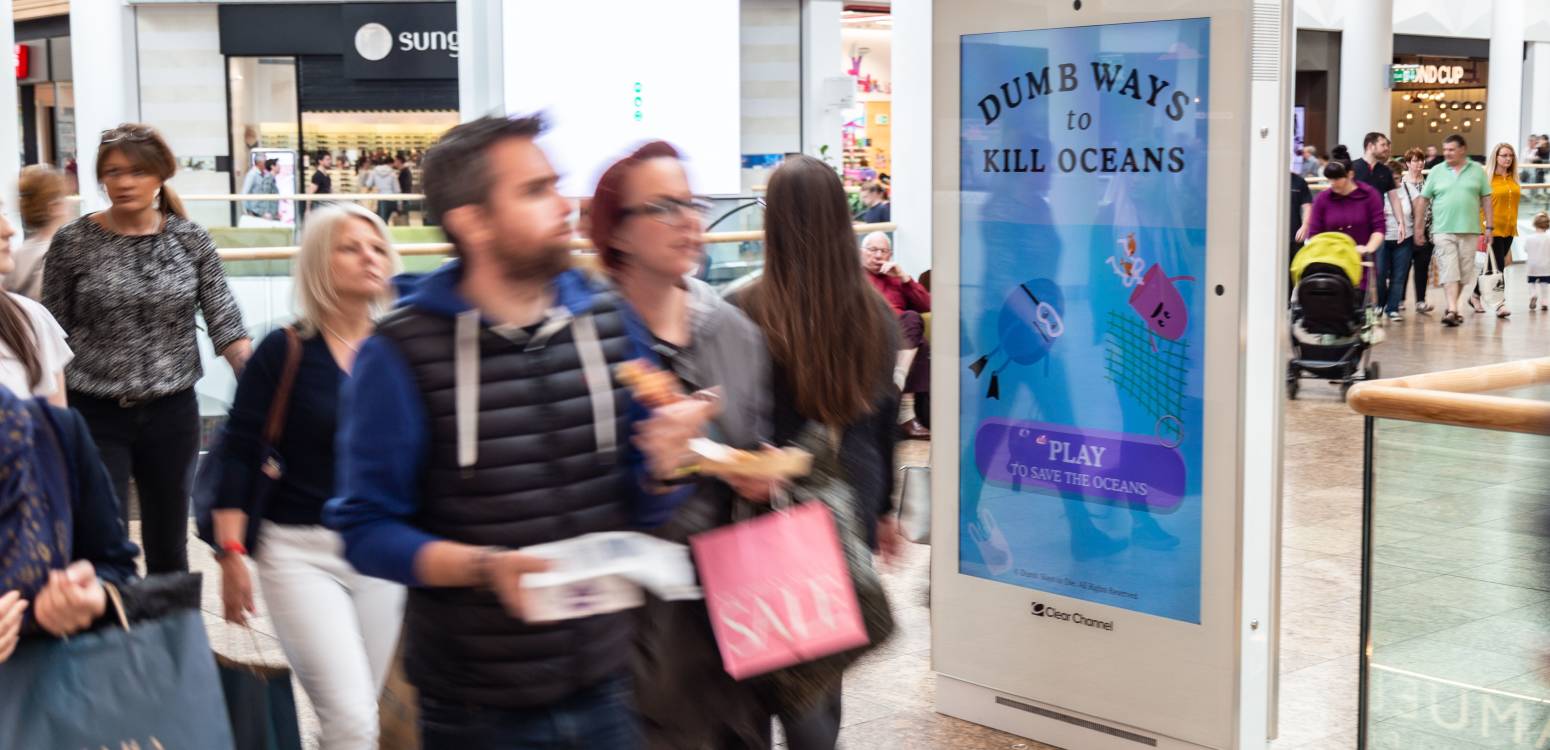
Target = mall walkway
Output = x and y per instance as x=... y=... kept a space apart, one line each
x=889 y=696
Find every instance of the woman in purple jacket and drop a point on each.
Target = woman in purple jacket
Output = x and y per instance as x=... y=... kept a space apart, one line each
x=1350 y=207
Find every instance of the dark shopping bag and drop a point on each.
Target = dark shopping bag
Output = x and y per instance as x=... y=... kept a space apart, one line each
x=146 y=681
x=261 y=704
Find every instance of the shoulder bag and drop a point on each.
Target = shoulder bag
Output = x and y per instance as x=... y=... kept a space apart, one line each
x=208 y=481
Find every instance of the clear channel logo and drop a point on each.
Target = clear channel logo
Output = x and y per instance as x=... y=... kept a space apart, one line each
x=1039 y=609
x=374 y=42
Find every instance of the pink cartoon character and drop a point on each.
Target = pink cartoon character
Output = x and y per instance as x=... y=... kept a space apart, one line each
x=1160 y=304
x=1126 y=264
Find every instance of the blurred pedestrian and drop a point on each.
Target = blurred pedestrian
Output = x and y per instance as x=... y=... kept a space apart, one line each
x=1411 y=182
x=405 y=186
x=61 y=534
x=833 y=370
x=1458 y=195
x=1351 y=207
x=41 y=195
x=647 y=226
x=126 y=284
x=1537 y=248
x=33 y=352
x=1505 y=196
x=1312 y=165
x=383 y=180
x=874 y=199
x=322 y=183
x=338 y=628
x=482 y=418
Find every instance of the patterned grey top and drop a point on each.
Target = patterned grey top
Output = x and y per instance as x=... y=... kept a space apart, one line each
x=128 y=303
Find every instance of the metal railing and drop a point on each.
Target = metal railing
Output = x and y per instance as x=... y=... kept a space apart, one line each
x=579 y=244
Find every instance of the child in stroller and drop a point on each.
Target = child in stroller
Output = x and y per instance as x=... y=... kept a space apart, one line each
x=1334 y=320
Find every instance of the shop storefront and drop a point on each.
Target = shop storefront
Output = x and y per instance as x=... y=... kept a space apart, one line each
x=45 y=97
x=359 y=81
x=1434 y=97
x=867 y=38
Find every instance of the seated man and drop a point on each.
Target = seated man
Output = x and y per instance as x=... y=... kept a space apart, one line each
x=908 y=299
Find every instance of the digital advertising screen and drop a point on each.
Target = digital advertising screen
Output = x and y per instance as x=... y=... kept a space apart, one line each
x=1082 y=286
x=641 y=72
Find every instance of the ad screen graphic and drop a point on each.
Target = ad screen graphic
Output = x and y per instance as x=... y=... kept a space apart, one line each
x=642 y=71
x=1083 y=261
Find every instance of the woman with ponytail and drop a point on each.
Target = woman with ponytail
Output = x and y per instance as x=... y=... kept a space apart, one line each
x=126 y=284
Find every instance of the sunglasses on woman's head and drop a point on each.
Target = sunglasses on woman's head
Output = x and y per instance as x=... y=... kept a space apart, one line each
x=113 y=135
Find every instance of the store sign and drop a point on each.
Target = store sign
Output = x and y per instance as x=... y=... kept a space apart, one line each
x=23 y=57
x=1417 y=73
x=400 y=40
x=1083 y=254
x=1427 y=74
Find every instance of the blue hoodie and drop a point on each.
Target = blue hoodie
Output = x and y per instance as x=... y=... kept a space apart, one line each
x=384 y=437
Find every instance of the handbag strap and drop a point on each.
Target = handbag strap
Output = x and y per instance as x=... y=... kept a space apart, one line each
x=117 y=600
x=274 y=426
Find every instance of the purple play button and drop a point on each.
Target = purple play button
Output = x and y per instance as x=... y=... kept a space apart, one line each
x=1095 y=464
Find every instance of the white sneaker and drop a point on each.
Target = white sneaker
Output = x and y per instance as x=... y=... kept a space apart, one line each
x=1395 y=316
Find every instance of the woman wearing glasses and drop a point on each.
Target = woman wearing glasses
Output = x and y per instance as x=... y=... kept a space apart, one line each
x=126 y=284
x=647 y=226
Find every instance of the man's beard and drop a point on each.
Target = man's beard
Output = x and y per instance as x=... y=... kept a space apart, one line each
x=549 y=262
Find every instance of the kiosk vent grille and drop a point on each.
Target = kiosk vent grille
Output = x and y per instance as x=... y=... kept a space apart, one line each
x=1267 y=41
x=1139 y=739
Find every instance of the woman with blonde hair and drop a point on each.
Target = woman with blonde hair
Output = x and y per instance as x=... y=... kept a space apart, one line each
x=126 y=285
x=338 y=628
x=41 y=195
x=1505 y=194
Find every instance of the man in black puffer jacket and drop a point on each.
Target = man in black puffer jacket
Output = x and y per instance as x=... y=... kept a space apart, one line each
x=482 y=418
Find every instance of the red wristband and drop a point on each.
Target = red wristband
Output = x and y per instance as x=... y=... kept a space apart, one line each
x=234 y=547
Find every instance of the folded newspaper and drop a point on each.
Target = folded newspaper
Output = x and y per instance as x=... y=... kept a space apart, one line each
x=600 y=573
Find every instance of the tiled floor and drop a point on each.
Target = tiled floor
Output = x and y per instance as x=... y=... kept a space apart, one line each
x=1461 y=588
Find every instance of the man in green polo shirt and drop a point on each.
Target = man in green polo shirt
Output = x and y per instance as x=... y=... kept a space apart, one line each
x=1458 y=191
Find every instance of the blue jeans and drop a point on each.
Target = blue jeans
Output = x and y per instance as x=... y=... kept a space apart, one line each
x=598 y=717
x=1393 y=272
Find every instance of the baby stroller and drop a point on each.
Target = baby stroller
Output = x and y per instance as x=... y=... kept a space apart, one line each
x=1333 y=325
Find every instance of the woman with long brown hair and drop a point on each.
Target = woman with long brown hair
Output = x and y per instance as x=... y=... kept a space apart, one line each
x=126 y=284
x=833 y=344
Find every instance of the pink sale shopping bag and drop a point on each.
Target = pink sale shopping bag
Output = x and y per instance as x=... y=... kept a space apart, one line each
x=778 y=590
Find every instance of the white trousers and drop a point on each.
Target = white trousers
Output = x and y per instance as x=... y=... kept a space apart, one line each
x=338 y=628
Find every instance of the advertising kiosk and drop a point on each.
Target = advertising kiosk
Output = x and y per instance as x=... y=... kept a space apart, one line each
x=1109 y=263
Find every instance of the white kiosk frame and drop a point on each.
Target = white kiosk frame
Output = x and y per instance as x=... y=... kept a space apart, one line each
x=1150 y=681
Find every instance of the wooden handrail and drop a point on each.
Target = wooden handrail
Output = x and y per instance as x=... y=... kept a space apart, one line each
x=1461 y=397
x=246 y=197
x=1324 y=185
x=577 y=244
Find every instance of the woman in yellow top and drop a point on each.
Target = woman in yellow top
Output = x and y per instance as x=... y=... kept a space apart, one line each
x=1505 y=193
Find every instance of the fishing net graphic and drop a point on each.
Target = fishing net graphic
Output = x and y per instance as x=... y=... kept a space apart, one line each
x=1150 y=369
